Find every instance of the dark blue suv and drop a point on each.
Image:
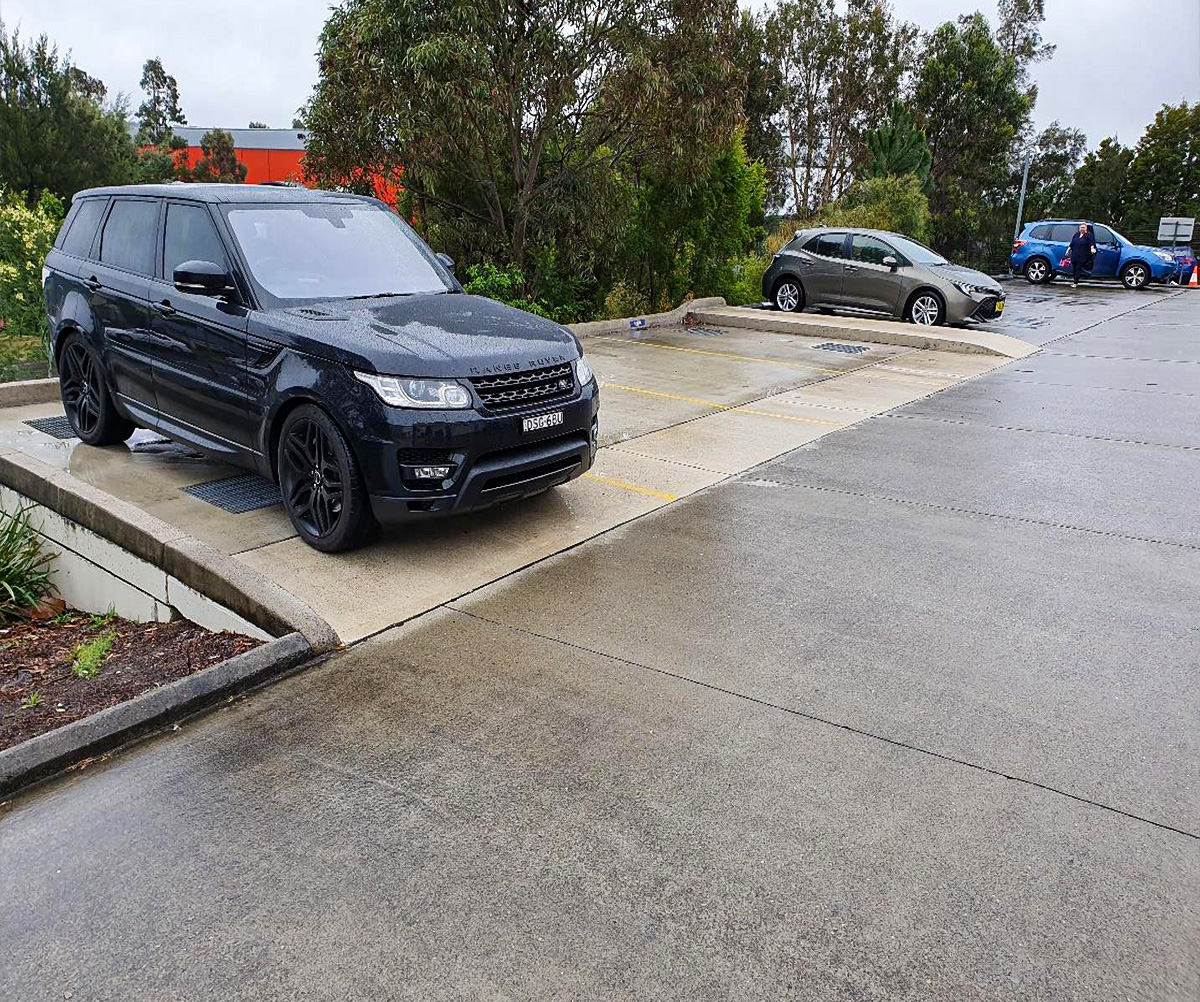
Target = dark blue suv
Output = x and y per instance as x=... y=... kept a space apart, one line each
x=1039 y=250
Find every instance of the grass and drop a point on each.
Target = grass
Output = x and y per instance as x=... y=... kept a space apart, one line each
x=31 y=701
x=87 y=659
x=24 y=569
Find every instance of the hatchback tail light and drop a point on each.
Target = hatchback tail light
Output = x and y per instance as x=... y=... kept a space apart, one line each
x=1017 y=245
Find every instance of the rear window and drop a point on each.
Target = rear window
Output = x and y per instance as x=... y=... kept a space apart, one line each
x=1062 y=232
x=78 y=240
x=129 y=236
x=826 y=244
x=1040 y=232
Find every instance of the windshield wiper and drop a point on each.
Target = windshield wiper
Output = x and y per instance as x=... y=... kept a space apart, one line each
x=381 y=295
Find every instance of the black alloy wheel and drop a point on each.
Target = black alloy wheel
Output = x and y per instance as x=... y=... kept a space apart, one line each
x=85 y=398
x=319 y=479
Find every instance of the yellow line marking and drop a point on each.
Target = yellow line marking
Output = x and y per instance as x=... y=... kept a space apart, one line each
x=726 y=354
x=733 y=408
x=648 y=491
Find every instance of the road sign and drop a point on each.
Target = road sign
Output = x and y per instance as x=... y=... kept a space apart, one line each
x=1176 y=229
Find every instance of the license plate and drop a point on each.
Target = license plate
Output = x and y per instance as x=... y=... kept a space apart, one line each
x=539 y=422
x=1000 y=306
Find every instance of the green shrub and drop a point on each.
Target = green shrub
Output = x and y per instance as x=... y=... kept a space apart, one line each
x=24 y=569
x=898 y=204
x=625 y=301
x=26 y=236
x=505 y=285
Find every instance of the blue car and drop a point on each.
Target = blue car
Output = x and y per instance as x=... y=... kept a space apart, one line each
x=1039 y=251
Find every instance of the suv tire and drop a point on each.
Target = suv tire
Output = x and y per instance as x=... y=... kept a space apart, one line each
x=321 y=485
x=90 y=410
x=1135 y=275
x=1038 y=271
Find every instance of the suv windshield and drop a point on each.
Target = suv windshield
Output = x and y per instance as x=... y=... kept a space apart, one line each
x=332 y=250
x=915 y=252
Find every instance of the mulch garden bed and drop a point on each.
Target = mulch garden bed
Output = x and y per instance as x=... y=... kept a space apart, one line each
x=60 y=669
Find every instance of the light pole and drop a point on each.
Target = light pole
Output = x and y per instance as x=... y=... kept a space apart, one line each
x=1021 y=201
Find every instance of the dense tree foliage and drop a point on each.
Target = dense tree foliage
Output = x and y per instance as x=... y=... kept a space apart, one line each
x=840 y=72
x=218 y=161
x=896 y=147
x=55 y=134
x=528 y=132
x=161 y=108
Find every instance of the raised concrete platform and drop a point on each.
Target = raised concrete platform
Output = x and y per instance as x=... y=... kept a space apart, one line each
x=969 y=340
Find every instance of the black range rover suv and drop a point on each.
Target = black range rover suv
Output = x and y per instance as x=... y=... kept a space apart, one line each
x=312 y=337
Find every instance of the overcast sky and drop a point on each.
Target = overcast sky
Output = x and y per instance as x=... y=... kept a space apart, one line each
x=238 y=60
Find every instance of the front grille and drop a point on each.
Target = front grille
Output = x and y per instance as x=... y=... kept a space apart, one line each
x=987 y=309
x=514 y=389
x=425 y=457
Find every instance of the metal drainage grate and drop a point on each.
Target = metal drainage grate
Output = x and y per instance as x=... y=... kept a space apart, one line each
x=58 y=426
x=704 y=331
x=847 y=349
x=237 y=495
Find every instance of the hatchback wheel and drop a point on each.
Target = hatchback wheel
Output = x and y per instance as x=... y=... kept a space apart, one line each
x=320 y=482
x=789 y=297
x=1135 y=275
x=1037 y=270
x=925 y=309
x=85 y=397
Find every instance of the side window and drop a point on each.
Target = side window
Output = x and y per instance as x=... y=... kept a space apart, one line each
x=78 y=240
x=1103 y=234
x=869 y=250
x=190 y=236
x=1041 y=232
x=129 y=236
x=826 y=244
x=1061 y=233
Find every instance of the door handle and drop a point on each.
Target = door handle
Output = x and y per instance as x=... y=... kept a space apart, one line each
x=164 y=308
x=93 y=283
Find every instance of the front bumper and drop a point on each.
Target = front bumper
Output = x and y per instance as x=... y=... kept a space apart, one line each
x=961 y=308
x=492 y=459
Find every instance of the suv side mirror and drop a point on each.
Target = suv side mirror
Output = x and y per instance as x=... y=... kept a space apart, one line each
x=202 y=278
x=891 y=262
x=446 y=260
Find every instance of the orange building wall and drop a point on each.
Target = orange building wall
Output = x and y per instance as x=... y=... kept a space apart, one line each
x=262 y=165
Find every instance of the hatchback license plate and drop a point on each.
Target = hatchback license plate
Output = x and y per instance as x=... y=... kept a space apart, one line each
x=539 y=422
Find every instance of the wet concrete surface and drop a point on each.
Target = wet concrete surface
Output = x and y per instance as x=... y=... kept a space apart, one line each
x=814 y=733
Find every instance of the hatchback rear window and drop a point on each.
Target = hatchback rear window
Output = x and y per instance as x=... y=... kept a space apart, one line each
x=827 y=244
x=78 y=240
x=1062 y=232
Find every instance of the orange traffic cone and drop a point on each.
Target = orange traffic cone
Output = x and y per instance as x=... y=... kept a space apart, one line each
x=1192 y=283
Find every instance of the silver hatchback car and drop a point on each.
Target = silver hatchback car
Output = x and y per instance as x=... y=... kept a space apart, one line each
x=880 y=272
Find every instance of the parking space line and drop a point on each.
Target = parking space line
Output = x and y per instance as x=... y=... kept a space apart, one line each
x=727 y=354
x=648 y=491
x=734 y=408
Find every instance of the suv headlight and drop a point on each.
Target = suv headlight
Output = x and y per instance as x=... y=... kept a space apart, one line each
x=399 y=391
x=1164 y=255
x=583 y=371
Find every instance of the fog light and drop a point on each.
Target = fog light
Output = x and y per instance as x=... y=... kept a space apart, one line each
x=431 y=472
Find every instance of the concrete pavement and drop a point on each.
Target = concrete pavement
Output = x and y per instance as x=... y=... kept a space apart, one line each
x=906 y=714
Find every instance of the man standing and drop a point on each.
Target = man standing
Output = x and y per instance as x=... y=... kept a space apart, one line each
x=1081 y=252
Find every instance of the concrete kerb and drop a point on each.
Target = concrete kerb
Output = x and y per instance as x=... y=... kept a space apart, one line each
x=220 y=577
x=49 y=753
x=28 y=391
x=966 y=340
x=626 y=324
